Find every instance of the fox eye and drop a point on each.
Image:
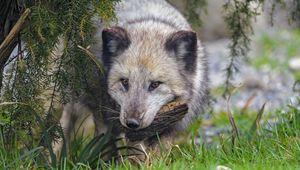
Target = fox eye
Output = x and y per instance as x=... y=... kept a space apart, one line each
x=154 y=85
x=125 y=83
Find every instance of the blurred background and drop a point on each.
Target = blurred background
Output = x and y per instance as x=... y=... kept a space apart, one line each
x=269 y=73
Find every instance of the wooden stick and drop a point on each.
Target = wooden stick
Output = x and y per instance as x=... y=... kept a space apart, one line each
x=9 y=42
x=163 y=121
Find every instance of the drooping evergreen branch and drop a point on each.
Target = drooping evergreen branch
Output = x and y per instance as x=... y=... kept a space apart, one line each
x=275 y=4
x=239 y=16
x=295 y=14
x=42 y=79
x=193 y=9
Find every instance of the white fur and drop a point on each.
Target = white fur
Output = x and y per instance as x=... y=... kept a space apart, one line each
x=128 y=10
x=129 y=13
x=147 y=37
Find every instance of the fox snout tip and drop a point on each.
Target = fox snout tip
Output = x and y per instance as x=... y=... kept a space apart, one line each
x=132 y=123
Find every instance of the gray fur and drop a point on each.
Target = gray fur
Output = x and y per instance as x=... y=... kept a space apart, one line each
x=148 y=25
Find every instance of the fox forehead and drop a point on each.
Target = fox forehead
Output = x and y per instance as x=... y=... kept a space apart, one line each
x=144 y=56
x=138 y=65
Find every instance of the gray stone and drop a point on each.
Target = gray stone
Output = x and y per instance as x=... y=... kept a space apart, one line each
x=294 y=63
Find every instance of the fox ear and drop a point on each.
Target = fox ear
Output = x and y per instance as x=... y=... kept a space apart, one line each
x=115 y=41
x=183 y=44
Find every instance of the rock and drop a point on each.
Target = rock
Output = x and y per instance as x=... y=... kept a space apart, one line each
x=294 y=63
x=222 y=167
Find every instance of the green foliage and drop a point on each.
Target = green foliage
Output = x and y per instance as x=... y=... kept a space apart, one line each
x=82 y=151
x=39 y=79
x=63 y=78
x=268 y=146
x=193 y=9
x=105 y=9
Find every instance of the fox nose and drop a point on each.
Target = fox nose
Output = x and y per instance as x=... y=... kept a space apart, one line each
x=132 y=123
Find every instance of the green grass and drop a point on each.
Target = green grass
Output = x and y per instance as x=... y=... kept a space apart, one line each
x=278 y=148
x=257 y=147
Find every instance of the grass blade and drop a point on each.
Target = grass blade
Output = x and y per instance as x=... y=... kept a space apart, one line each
x=27 y=154
x=234 y=132
x=256 y=123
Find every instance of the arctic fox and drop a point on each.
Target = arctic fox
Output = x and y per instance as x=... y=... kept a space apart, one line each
x=151 y=57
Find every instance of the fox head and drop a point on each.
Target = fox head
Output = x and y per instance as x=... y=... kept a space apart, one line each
x=146 y=70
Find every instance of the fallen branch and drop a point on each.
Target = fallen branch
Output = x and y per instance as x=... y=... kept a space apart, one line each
x=9 y=43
